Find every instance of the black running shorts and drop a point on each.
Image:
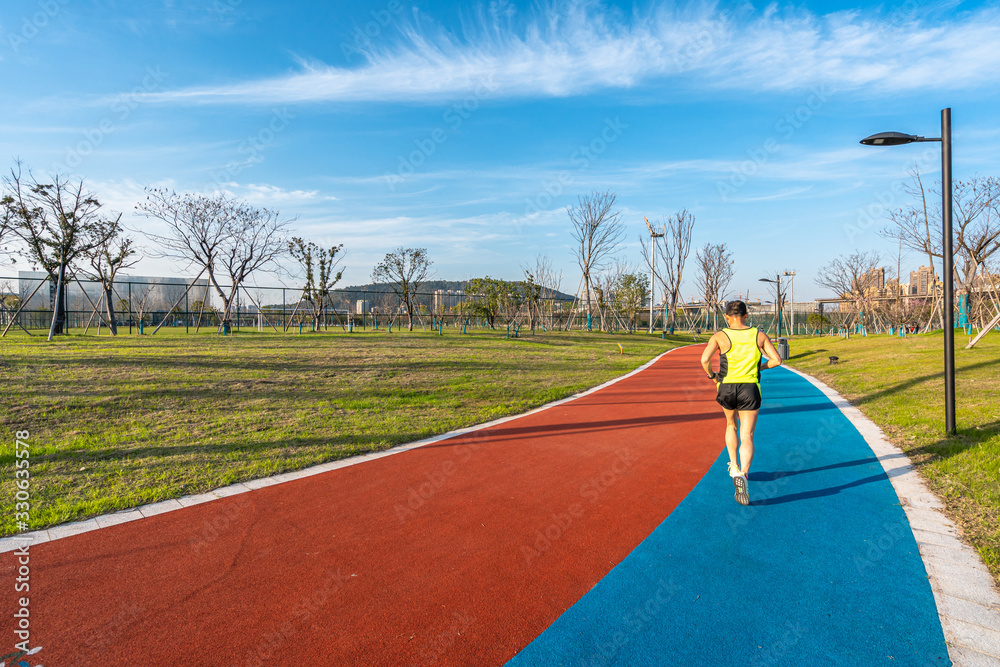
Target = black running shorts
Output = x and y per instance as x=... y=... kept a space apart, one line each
x=739 y=396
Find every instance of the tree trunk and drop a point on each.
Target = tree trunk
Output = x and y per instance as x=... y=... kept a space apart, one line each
x=110 y=307
x=58 y=303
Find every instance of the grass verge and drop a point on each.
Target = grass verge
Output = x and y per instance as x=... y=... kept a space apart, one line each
x=899 y=384
x=120 y=422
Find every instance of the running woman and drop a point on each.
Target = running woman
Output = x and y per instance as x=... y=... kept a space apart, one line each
x=738 y=381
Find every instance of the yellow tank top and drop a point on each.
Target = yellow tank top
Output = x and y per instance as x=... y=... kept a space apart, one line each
x=740 y=364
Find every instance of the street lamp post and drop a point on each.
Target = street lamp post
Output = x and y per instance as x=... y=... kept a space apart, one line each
x=653 y=235
x=791 y=297
x=777 y=302
x=896 y=139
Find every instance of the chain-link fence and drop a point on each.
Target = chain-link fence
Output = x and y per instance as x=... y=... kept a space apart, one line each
x=142 y=305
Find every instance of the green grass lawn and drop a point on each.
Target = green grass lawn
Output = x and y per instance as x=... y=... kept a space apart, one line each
x=899 y=384
x=120 y=422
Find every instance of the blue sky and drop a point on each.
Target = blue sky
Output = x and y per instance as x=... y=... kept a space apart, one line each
x=468 y=129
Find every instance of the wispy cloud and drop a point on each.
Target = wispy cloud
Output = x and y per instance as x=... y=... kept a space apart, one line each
x=560 y=52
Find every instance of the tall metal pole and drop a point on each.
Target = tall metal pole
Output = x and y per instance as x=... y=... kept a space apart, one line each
x=949 y=271
x=793 y=303
x=792 y=299
x=777 y=304
x=652 y=279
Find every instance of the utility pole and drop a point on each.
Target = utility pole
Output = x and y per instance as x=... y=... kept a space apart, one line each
x=792 y=274
x=653 y=235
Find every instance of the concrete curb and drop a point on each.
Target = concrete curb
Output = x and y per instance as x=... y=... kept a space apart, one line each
x=967 y=599
x=14 y=542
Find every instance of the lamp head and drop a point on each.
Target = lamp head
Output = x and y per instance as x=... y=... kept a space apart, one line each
x=889 y=139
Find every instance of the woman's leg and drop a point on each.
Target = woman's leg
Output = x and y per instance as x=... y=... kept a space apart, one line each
x=748 y=421
x=731 y=440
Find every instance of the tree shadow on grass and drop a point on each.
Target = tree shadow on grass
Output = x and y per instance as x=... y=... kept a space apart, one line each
x=347 y=445
x=962 y=441
x=912 y=382
x=807 y=355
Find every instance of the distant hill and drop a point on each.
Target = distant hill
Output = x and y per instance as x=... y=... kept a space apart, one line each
x=428 y=288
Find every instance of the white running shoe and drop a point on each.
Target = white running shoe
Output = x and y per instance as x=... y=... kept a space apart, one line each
x=734 y=469
x=742 y=493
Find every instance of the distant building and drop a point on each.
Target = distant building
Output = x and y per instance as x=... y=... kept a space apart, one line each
x=361 y=307
x=156 y=293
x=873 y=281
x=447 y=299
x=922 y=281
x=982 y=281
x=892 y=288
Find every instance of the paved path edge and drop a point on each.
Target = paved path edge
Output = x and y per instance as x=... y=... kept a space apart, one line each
x=14 y=542
x=966 y=596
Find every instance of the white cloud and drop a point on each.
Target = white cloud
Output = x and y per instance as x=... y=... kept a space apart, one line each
x=271 y=195
x=560 y=53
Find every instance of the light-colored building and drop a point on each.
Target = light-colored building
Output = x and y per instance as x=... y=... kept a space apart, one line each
x=873 y=282
x=361 y=307
x=922 y=281
x=155 y=293
x=447 y=299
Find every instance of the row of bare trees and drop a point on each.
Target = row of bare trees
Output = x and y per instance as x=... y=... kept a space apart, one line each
x=599 y=233
x=916 y=228
x=63 y=228
x=60 y=226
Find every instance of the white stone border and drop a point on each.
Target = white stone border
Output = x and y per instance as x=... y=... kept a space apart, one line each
x=67 y=529
x=967 y=600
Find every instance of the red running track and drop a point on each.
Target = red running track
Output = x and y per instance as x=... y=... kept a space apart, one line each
x=459 y=552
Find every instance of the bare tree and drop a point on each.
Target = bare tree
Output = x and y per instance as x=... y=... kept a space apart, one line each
x=531 y=290
x=318 y=263
x=674 y=249
x=847 y=277
x=976 y=225
x=144 y=300
x=549 y=280
x=403 y=269
x=598 y=231
x=218 y=234
x=603 y=284
x=115 y=252
x=911 y=225
x=6 y=220
x=629 y=292
x=58 y=223
x=715 y=273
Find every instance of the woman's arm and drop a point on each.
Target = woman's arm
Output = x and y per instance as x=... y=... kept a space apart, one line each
x=773 y=358
x=706 y=356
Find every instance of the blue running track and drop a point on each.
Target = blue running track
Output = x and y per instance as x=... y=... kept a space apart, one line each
x=820 y=569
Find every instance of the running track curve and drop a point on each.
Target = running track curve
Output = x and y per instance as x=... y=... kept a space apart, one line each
x=459 y=552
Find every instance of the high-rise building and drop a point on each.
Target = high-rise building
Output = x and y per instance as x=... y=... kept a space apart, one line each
x=873 y=281
x=922 y=281
x=447 y=299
